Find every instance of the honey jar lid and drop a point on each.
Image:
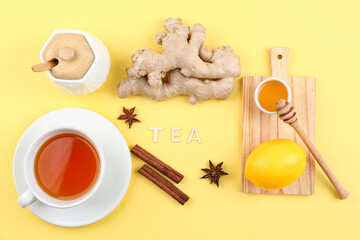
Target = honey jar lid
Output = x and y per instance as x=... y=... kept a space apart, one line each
x=72 y=54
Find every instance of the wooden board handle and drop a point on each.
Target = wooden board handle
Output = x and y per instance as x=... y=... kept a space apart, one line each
x=279 y=58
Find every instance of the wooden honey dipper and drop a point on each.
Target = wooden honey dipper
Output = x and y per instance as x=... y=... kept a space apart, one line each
x=287 y=113
x=65 y=54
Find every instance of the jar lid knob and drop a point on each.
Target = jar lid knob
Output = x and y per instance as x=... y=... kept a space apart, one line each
x=66 y=53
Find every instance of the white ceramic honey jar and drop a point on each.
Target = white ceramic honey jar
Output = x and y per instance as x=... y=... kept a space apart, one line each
x=81 y=61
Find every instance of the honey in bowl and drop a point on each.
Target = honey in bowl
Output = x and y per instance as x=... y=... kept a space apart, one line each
x=67 y=166
x=269 y=93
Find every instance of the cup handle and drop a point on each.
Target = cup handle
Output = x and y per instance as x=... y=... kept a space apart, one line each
x=26 y=199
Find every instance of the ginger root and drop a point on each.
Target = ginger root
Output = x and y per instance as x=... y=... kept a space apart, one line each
x=186 y=66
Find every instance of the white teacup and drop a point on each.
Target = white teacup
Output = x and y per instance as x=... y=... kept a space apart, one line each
x=95 y=75
x=35 y=192
x=257 y=91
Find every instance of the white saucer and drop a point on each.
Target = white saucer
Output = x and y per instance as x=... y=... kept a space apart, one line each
x=117 y=166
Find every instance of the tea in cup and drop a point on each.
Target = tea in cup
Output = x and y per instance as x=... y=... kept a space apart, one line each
x=62 y=168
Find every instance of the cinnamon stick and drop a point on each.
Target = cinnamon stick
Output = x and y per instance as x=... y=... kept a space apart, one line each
x=157 y=164
x=164 y=184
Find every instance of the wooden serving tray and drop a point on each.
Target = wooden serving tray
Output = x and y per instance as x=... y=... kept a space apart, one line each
x=259 y=127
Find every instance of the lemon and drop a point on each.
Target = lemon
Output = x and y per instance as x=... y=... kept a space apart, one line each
x=275 y=164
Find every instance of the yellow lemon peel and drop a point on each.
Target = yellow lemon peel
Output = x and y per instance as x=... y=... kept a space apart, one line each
x=275 y=164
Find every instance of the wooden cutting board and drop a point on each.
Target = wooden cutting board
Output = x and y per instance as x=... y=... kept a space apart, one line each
x=259 y=127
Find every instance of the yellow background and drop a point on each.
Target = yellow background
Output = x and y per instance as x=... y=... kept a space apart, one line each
x=323 y=37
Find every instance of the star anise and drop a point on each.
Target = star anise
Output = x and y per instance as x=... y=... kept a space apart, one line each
x=129 y=116
x=214 y=173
